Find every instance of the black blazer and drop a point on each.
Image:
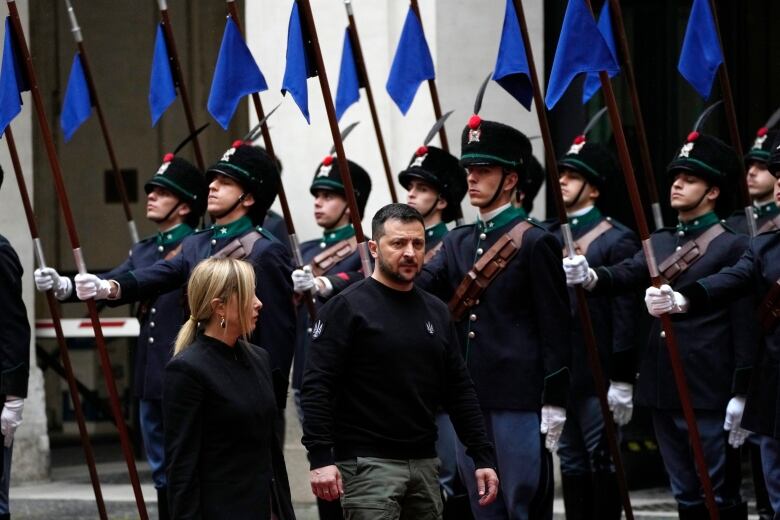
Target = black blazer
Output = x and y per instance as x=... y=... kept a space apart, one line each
x=224 y=460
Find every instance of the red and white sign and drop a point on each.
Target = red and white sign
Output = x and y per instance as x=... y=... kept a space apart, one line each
x=82 y=328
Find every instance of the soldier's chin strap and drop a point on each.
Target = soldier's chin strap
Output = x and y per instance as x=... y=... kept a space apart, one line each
x=691 y=207
x=231 y=208
x=167 y=215
x=504 y=174
x=579 y=194
x=433 y=207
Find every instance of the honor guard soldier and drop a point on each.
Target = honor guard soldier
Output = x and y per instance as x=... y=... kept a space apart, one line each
x=760 y=183
x=14 y=359
x=175 y=202
x=508 y=297
x=242 y=186
x=436 y=184
x=716 y=347
x=756 y=275
x=590 y=488
x=335 y=252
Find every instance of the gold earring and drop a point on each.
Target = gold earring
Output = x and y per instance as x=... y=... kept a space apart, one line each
x=222 y=321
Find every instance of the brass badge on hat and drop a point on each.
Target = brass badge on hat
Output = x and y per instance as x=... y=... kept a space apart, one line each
x=228 y=154
x=577 y=145
x=163 y=167
x=686 y=150
x=475 y=131
x=325 y=167
x=420 y=155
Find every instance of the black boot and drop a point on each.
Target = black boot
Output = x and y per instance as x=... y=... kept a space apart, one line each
x=698 y=512
x=607 y=504
x=577 y=496
x=162 y=503
x=763 y=506
x=734 y=512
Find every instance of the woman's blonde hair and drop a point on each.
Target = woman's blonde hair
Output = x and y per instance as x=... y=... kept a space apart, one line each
x=222 y=278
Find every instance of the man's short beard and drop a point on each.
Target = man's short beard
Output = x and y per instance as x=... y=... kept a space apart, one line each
x=388 y=271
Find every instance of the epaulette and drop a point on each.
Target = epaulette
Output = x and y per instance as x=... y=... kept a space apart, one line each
x=200 y=231
x=267 y=234
x=728 y=228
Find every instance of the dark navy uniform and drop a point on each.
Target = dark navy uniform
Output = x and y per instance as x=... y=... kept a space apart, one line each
x=275 y=330
x=764 y=215
x=716 y=347
x=274 y=224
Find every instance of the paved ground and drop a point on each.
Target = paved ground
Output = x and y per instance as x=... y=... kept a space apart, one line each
x=68 y=494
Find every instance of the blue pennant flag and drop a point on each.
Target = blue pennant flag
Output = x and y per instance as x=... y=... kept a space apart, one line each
x=348 y=90
x=298 y=68
x=235 y=76
x=701 y=54
x=581 y=48
x=592 y=81
x=77 y=106
x=412 y=63
x=511 y=70
x=12 y=80
x=162 y=90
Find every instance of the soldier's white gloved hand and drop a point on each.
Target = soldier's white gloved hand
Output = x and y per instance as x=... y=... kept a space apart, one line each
x=620 y=400
x=47 y=278
x=303 y=280
x=11 y=418
x=664 y=300
x=553 y=419
x=578 y=272
x=90 y=286
x=732 y=424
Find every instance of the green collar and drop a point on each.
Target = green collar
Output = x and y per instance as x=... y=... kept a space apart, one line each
x=337 y=235
x=766 y=210
x=173 y=235
x=703 y=222
x=508 y=215
x=583 y=221
x=436 y=233
x=233 y=229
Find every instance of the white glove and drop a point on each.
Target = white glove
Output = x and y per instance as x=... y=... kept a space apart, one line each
x=664 y=300
x=11 y=418
x=737 y=434
x=578 y=272
x=620 y=401
x=90 y=286
x=553 y=419
x=304 y=280
x=47 y=278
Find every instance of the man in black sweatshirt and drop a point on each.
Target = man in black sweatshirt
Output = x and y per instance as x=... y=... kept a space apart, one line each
x=384 y=358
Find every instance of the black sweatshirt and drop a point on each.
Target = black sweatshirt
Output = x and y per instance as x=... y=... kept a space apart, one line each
x=381 y=363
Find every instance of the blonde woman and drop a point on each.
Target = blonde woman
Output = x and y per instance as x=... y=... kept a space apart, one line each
x=219 y=406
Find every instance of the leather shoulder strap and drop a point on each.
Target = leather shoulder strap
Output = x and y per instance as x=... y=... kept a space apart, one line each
x=239 y=248
x=432 y=252
x=324 y=262
x=486 y=269
x=770 y=225
x=769 y=310
x=173 y=252
x=582 y=244
x=688 y=254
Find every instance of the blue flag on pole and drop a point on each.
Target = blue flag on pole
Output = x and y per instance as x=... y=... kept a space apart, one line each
x=592 y=81
x=348 y=90
x=12 y=80
x=298 y=68
x=235 y=76
x=412 y=63
x=701 y=54
x=77 y=105
x=162 y=90
x=511 y=70
x=581 y=48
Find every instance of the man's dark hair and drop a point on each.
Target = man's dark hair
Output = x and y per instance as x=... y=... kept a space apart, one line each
x=397 y=211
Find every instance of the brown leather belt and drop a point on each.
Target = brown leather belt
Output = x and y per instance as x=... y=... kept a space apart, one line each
x=583 y=243
x=688 y=254
x=239 y=248
x=486 y=269
x=324 y=262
